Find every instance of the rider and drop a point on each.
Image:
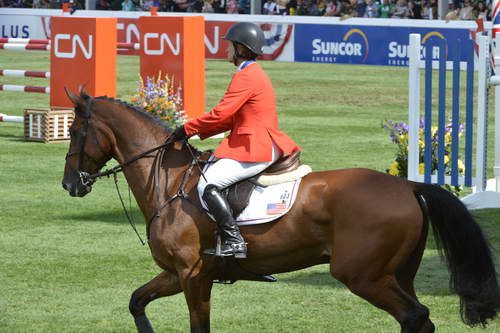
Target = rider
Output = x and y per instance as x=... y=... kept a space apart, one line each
x=248 y=109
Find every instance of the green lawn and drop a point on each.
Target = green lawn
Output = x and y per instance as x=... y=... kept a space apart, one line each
x=70 y=265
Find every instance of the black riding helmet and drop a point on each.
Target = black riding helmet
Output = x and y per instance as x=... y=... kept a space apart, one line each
x=247 y=34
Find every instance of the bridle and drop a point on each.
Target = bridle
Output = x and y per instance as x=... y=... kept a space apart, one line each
x=89 y=179
x=85 y=178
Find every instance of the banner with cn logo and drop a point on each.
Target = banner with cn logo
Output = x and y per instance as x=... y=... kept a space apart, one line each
x=83 y=52
x=174 y=46
x=278 y=36
x=278 y=45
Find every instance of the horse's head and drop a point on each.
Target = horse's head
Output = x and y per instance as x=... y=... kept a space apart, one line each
x=89 y=150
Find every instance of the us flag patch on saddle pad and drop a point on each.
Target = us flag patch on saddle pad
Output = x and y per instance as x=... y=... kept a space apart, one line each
x=276 y=208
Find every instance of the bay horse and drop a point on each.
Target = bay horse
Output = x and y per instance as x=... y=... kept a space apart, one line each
x=369 y=226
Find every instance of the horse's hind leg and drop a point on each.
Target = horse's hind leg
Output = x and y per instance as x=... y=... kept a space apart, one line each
x=368 y=275
x=164 y=284
x=406 y=275
x=386 y=294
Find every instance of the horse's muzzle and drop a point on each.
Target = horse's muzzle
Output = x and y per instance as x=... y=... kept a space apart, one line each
x=77 y=189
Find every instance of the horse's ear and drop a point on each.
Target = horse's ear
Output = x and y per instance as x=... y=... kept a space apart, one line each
x=83 y=92
x=77 y=100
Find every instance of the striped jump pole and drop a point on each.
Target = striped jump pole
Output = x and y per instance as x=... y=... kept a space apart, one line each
x=24 y=47
x=11 y=119
x=28 y=46
x=129 y=46
x=18 y=88
x=21 y=73
x=24 y=41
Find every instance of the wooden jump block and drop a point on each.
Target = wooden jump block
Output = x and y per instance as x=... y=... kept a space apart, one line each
x=48 y=125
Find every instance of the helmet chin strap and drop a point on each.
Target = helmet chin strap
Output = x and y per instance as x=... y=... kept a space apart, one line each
x=236 y=55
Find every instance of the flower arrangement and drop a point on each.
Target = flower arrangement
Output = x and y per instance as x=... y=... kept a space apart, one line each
x=399 y=136
x=160 y=98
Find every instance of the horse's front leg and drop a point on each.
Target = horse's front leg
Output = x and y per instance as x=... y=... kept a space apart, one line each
x=197 y=291
x=164 y=284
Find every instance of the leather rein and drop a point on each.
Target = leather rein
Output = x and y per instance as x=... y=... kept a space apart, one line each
x=89 y=179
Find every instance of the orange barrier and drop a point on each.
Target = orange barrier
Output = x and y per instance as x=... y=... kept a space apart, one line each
x=83 y=52
x=175 y=46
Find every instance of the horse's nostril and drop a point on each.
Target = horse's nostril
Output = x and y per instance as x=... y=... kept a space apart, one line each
x=66 y=187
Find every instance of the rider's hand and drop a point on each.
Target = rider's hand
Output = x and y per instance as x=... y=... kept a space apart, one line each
x=179 y=133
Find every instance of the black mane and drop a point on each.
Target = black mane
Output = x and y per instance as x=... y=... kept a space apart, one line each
x=138 y=110
x=147 y=115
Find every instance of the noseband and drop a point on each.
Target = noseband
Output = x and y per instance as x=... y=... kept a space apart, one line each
x=85 y=177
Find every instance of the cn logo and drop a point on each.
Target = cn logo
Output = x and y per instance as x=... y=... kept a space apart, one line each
x=164 y=39
x=75 y=40
x=215 y=47
x=130 y=29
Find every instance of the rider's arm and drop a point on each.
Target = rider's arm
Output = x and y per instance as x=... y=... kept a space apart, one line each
x=220 y=118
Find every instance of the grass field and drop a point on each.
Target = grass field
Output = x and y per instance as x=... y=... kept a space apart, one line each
x=70 y=265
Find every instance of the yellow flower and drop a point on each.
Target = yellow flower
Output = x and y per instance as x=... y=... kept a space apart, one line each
x=433 y=130
x=461 y=166
x=447 y=138
x=421 y=168
x=393 y=169
x=421 y=144
x=446 y=159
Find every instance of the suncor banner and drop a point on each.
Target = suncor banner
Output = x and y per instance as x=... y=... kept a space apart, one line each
x=369 y=45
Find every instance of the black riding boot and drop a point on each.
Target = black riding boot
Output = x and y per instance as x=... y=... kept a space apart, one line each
x=232 y=242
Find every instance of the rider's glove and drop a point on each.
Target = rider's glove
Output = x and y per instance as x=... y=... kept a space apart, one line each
x=180 y=133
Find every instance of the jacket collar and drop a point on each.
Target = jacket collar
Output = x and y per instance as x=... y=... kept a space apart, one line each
x=245 y=64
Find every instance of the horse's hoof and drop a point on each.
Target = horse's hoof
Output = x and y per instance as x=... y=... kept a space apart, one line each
x=143 y=325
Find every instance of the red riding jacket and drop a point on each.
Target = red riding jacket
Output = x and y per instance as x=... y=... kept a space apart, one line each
x=248 y=109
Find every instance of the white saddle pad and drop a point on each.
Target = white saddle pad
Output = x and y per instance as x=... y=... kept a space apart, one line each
x=267 y=203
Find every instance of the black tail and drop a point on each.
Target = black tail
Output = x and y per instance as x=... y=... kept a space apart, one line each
x=467 y=253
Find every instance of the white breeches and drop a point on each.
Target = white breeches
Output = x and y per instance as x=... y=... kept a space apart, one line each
x=226 y=171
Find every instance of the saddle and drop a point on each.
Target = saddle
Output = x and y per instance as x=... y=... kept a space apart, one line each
x=238 y=194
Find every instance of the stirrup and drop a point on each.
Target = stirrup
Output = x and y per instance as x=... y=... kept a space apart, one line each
x=238 y=250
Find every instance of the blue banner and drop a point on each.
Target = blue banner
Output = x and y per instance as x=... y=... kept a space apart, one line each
x=369 y=45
